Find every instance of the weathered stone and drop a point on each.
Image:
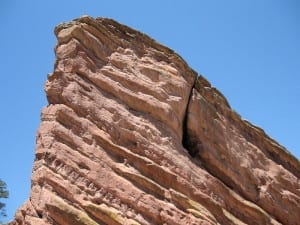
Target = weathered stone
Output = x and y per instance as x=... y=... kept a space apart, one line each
x=132 y=135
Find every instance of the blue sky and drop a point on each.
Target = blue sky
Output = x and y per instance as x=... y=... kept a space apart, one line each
x=249 y=50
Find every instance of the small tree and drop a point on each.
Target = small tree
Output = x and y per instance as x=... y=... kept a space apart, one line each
x=3 y=194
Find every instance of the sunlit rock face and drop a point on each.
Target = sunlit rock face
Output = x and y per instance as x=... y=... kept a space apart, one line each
x=132 y=135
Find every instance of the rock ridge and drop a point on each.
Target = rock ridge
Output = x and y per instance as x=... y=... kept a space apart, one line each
x=133 y=135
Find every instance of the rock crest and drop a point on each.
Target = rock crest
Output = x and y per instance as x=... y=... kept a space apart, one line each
x=132 y=135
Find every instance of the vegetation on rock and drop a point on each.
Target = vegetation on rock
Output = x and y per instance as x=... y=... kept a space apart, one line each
x=3 y=194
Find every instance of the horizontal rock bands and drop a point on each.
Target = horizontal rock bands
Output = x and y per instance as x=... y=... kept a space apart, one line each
x=132 y=160
x=109 y=149
x=72 y=146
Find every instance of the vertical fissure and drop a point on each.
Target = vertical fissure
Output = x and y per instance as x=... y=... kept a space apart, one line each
x=188 y=142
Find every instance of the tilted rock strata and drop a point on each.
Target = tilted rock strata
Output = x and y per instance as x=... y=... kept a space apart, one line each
x=132 y=135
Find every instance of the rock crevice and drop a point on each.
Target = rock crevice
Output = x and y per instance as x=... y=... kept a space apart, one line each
x=132 y=135
x=188 y=141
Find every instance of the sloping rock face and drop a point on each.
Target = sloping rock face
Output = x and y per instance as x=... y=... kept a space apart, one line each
x=132 y=135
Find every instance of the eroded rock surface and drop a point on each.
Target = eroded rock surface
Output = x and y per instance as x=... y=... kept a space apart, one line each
x=132 y=135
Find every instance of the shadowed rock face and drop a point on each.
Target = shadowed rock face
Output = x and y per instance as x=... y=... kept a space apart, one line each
x=132 y=135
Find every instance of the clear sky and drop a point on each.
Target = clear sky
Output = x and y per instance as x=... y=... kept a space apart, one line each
x=249 y=50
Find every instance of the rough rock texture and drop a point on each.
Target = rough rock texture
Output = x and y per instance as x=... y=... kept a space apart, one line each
x=132 y=135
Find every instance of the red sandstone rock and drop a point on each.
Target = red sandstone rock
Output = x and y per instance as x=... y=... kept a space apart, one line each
x=132 y=135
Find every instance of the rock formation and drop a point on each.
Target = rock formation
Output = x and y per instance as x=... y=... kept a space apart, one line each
x=132 y=135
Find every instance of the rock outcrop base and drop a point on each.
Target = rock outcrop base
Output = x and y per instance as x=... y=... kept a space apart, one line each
x=132 y=135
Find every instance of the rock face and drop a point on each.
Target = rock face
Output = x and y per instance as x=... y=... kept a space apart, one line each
x=132 y=135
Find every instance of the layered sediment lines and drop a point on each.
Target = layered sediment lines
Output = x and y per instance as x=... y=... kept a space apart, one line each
x=132 y=135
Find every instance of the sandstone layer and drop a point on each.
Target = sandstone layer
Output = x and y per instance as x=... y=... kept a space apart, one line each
x=132 y=135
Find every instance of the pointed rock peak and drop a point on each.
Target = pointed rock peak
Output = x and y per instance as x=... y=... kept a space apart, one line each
x=132 y=135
